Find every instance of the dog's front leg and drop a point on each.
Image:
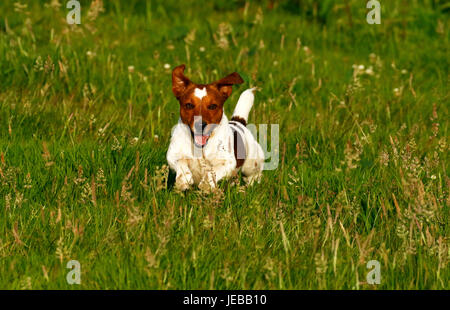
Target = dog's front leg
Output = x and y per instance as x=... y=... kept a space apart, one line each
x=180 y=165
x=179 y=155
x=184 y=178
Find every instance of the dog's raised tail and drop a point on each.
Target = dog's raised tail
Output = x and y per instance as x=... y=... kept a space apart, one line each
x=243 y=106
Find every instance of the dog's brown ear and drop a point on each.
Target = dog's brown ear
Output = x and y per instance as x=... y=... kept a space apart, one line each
x=225 y=85
x=179 y=81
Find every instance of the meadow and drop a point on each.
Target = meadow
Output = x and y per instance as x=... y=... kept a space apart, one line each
x=85 y=118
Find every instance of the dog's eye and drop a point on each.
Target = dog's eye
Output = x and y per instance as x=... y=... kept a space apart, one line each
x=212 y=106
x=189 y=106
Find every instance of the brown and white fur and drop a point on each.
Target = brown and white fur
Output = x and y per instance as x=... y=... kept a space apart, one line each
x=205 y=147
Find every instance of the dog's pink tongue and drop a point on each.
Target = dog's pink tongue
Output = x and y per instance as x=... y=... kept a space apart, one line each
x=201 y=140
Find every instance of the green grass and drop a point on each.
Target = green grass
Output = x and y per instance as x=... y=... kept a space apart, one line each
x=364 y=158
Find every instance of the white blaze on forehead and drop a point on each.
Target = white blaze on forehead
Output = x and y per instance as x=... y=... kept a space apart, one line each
x=200 y=93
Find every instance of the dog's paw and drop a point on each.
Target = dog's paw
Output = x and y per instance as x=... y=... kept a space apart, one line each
x=207 y=183
x=250 y=180
x=184 y=181
x=205 y=186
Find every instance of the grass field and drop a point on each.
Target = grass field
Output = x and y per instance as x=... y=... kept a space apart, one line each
x=85 y=118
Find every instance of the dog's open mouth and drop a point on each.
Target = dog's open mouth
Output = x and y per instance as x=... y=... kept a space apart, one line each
x=201 y=136
x=201 y=140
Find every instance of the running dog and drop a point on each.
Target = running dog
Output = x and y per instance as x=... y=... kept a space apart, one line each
x=205 y=147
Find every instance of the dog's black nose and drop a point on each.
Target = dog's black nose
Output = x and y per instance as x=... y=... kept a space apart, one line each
x=199 y=126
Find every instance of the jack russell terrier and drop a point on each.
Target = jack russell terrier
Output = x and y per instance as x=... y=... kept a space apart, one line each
x=205 y=147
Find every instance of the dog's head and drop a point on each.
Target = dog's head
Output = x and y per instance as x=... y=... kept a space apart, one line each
x=201 y=105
